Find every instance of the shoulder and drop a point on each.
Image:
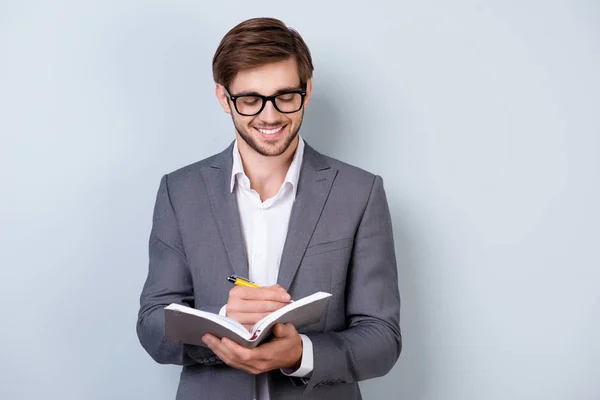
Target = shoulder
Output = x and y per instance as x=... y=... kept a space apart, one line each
x=353 y=188
x=190 y=171
x=191 y=176
x=347 y=175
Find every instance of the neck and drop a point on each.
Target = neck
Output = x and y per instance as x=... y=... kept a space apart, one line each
x=266 y=174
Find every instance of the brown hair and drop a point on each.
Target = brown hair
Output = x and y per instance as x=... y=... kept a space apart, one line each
x=256 y=42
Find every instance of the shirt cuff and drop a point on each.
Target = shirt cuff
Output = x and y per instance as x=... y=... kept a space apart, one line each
x=223 y=311
x=307 y=363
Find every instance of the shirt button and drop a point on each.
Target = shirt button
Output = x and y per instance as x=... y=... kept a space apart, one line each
x=259 y=256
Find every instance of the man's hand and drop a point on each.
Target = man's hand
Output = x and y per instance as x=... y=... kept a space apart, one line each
x=283 y=351
x=249 y=305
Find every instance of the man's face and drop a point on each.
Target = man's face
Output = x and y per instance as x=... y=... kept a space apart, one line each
x=270 y=132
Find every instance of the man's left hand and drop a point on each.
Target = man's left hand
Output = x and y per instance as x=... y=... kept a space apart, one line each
x=283 y=351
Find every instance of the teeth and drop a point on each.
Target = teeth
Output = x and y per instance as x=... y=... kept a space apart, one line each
x=270 y=131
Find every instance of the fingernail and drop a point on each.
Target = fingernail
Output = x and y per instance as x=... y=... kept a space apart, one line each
x=205 y=339
x=285 y=297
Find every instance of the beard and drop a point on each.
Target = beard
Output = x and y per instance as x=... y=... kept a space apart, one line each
x=263 y=150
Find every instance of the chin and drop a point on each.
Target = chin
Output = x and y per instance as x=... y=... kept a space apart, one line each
x=268 y=145
x=276 y=143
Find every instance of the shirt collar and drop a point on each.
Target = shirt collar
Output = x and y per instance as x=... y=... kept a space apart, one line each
x=292 y=176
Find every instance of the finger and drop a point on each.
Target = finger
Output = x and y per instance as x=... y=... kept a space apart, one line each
x=280 y=352
x=237 y=351
x=212 y=342
x=247 y=318
x=276 y=287
x=217 y=347
x=284 y=330
x=246 y=359
x=269 y=294
x=239 y=292
x=224 y=353
x=253 y=306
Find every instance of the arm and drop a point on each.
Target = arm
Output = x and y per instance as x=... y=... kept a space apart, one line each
x=169 y=281
x=371 y=344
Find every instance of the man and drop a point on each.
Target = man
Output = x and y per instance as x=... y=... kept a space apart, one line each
x=272 y=209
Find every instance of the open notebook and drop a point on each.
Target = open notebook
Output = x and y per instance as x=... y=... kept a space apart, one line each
x=187 y=325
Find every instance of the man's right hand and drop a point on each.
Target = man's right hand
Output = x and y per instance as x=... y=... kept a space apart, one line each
x=249 y=305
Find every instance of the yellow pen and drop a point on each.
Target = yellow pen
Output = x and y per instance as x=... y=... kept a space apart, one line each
x=238 y=280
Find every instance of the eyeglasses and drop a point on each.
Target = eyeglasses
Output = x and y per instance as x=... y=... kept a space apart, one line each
x=252 y=104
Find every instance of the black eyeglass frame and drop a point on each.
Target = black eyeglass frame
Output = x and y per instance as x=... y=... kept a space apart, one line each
x=264 y=99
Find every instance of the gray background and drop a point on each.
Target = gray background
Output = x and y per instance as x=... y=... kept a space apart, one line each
x=482 y=117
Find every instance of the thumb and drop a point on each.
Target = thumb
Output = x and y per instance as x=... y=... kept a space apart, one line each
x=283 y=330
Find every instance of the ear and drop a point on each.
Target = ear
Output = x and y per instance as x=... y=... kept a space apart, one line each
x=221 y=94
x=308 y=92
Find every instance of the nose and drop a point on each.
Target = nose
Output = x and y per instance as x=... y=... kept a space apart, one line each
x=269 y=113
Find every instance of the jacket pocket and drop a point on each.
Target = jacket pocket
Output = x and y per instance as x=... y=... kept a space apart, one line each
x=328 y=246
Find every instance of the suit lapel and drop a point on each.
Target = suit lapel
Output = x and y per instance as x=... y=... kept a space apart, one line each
x=225 y=208
x=316 y=178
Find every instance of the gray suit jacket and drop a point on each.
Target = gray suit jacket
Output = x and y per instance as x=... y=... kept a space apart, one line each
x=339 y=241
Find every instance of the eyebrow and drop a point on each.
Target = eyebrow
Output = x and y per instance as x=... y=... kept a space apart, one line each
x=279 y=91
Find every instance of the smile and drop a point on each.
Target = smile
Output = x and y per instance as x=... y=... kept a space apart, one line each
x=270 y=131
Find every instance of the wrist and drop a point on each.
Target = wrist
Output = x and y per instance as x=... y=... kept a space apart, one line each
x=299 y=351
x=305 y=367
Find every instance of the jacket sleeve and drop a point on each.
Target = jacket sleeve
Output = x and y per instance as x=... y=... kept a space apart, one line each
x=371 y=342
x=168 y=281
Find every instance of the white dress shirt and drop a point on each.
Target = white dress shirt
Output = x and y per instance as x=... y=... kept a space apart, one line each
x=264 y=227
